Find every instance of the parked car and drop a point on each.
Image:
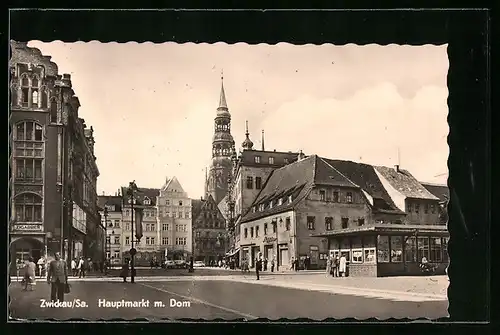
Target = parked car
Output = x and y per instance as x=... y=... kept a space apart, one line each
x=198 y=264
x=180 y=263
x=169 y=264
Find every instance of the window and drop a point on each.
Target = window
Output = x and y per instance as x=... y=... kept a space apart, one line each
x=335 y=196
x=274 y=224
x=349 y=197
x=167 y=202
x=329 y=223
x=287 y=223
x=258 y=183
x=417 y=208
x=311 y=222
x=257 y=231
x=265 y=228
x=245 y=232
x=285 y=160
x=180 y=240
x=410 y=249
x=53 y=111
x=44 y=97
x=290 y=199
x=361 y=221
x=261 y=207
x=280 y=201
x=164 y=240
x=147 y=202
x=396 y=249
x=433 y=209
x=127 y=240
x=108 y=255
x=28 y=169
x=117 y=254
x=180 y=202
x=34 y=98
x=422 y=248
x=108 y=239
x=164 y=226
x=127 y=226
x=369 y=255
x=117 y=239
x=110 y=224
x=435 y=250
x=383 y=249
x=322 y=195
x=409 y=207
x=253 y=209
x=426 y=208
x=117 y=223
x=257 y=159
x=28 y=207
x=345 y=223
x=251 y=232
x=271 y=160
x=250 y=183
x=357 y=255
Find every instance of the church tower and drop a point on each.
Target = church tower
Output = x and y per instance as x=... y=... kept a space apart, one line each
x=222 y=150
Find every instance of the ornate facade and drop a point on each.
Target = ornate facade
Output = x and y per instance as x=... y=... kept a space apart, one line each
x=53 y=200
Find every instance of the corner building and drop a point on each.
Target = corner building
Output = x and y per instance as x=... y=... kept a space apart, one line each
x=53 y=171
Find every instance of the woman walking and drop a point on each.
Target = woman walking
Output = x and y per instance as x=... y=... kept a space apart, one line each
x=29 y=274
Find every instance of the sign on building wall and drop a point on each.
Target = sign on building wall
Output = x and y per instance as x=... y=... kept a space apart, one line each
x=28 y=227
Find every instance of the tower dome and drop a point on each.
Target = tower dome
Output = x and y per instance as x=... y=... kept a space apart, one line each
x=247 y=143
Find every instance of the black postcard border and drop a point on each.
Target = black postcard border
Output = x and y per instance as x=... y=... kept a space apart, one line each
x=467 y=34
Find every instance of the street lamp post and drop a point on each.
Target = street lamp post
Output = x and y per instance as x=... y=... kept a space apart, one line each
x=130 y=192
x=105 y=258
x=275 y=226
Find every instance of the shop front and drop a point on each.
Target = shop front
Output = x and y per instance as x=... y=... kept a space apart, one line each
x=248 y=254
x=390 y=250
x=24 y=247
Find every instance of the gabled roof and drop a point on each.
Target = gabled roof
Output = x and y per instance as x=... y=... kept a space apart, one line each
x=196 y=205
x=141 y=194
x=439 y=190
x=364 y=176
x=223 y=206
x=403 y=182
x=295 y=179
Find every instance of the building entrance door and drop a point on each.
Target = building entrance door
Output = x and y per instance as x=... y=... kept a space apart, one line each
x=284 y=261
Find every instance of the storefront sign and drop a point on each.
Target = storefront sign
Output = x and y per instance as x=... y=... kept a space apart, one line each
x=28 y=227
x=268 y=239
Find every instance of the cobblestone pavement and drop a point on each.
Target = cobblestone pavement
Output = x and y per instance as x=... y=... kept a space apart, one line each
x=212 y=299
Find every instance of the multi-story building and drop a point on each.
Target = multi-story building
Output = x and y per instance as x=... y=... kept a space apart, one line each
x=222 y=150
x=443 y=193
x=148 y=246
x=52 y=189
x=174 y=221
x=250 y=171
x=112 y=221
x=209 y=230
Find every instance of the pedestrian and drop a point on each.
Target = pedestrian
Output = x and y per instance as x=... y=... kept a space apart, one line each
x=342 y=266
x=258 y=264
x=81 y=268
x=29 y=274
x=272 y=265
x=57 y=276
x=124 y=272
x=41 y=265
x=90 y=264
x=73 y=267
x=329 y=266
x=335 y=265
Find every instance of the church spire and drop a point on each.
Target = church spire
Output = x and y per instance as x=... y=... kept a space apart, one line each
x=222 y=100
x=247 y=143
x=263 y=140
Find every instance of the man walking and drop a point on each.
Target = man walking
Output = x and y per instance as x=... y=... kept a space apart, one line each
x=57 y=276
x=258 y=264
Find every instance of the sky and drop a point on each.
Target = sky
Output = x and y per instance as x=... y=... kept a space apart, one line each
x=152 y=106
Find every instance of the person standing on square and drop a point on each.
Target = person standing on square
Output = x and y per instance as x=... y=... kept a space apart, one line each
x=57 y=276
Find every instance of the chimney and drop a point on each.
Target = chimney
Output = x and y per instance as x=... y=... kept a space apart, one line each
x=301 y=155
x=396 y=167
x=263 y=140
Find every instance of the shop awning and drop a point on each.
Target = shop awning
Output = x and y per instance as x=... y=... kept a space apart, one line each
x=232 y=253
x=390 y=229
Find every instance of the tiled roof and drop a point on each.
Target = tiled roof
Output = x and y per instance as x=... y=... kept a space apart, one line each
x=405 y=183
x=223 y=207
x=141 y=193
x=103 y=200
x=439 y=190
x=295 y=179
x=365 y=177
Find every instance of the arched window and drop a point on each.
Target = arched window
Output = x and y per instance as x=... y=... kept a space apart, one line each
x=28 y=207
x=43 y=97
x=24 y=80
x=34 y=97
x=53 y=111
x=25 y=90
x=35 y=82
x=28 y=153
